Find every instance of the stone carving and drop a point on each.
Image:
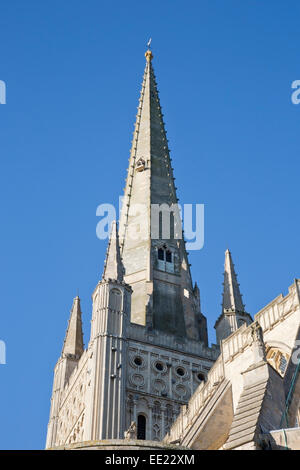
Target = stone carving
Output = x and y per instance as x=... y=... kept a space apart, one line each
x=257 y=341
x=159 y=386
x=156 y=431
x=131 y=432
x=140 y=164
x=137 y=380
x=256 y=333
x=180 y=391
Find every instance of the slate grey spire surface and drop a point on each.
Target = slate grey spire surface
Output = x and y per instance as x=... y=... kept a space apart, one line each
x=232 y=298
x=113 y=267
x=73 y=343
x=157 y=268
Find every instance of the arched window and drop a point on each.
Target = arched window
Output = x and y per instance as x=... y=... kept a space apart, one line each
x=168 y=256
x=115 y=300
x=168 y=418
x=165 y=259
x=161 y=254
x=141 y=427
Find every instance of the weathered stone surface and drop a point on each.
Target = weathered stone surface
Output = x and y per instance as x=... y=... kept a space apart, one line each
x=282 y=439
x=260 y=393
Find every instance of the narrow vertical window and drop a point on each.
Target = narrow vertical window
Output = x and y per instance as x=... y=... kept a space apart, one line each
x=168 y=256
x=141 y=427
x=161 y=254
x=160 y=224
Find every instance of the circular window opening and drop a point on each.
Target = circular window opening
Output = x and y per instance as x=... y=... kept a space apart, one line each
x=200 y=377
x=180 y=371
x=159 y=366
x=138 y=361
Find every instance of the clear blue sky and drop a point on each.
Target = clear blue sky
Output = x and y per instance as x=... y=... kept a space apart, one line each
x=73 y=72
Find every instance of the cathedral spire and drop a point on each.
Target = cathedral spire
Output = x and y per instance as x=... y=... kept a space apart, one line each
x=154 y=256
x=113 y=268
x=73 y=343
x=150 y=175
x=232 y=298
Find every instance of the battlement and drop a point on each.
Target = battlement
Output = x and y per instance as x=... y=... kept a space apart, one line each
x=279 y=308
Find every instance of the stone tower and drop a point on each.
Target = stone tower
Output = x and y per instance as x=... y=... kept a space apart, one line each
x=148 y=349
x=233 y=310
x=104 y=416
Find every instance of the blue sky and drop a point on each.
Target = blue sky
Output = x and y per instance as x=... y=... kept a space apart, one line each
x=73 y=72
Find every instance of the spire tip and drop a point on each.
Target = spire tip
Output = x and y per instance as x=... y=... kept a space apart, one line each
x=148 y=55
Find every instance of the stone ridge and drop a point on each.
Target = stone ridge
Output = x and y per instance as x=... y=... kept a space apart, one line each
x=120 y=444
x=244 y=425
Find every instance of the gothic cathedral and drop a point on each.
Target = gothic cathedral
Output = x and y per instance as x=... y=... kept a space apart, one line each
x=148 y=360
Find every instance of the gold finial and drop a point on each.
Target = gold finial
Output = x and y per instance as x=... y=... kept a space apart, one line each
x=148 y=55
